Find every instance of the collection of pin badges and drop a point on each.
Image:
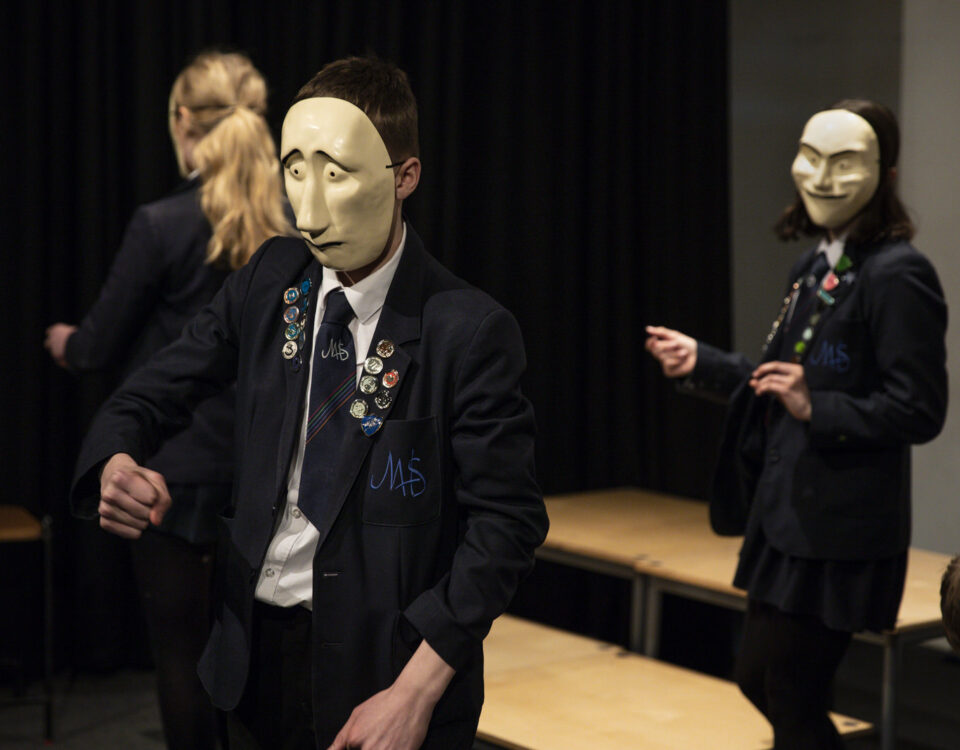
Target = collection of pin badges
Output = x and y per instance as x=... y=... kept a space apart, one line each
x=824 y=299
x=295 y=317
x=379 y=388
x=378 y=384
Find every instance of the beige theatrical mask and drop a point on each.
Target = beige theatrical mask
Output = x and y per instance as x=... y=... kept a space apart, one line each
x=837 y=168
x=337 y=175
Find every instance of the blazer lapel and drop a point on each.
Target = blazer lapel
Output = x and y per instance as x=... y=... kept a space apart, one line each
x=399 y=324
x=295 y=372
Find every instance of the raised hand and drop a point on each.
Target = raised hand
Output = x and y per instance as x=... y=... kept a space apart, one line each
x=676 y=352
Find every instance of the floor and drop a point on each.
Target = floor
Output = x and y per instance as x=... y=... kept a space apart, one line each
x=90 y=711
x=118 y=711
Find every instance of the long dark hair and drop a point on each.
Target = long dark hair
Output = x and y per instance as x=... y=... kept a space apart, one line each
x=884 y=218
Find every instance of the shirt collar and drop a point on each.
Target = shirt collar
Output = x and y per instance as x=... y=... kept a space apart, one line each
x=367 y=296
x=834 y=249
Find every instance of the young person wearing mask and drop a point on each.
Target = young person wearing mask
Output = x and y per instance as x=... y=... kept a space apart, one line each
x=814 y=465
x=385 y=504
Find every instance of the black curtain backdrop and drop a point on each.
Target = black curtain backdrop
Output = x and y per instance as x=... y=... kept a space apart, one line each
x=575 y=167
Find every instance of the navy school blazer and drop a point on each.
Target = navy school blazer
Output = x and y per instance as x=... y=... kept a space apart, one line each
x=439 y=558
x=838 y=487
x=157 y=282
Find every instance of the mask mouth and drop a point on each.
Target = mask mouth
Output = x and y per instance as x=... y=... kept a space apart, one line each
x=825 y=196
x=323 y=245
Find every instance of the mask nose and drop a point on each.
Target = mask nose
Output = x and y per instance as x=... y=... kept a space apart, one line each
x=313 y=218
x=822 y=179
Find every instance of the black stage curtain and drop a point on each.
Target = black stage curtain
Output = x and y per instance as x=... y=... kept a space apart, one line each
x=575 y=166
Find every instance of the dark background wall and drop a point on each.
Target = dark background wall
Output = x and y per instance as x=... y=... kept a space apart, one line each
x=575 y=166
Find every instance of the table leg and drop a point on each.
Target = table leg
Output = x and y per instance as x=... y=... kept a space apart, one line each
x=888 y=718
x=637 y=594
x=653 y=612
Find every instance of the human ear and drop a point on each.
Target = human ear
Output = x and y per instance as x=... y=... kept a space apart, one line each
x=407 y=178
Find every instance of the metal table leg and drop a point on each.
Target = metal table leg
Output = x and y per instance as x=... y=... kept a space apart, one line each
x=653 y=615
x=638 y=586
x=888 y=718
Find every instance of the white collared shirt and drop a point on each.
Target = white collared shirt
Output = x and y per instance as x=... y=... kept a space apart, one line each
x=832 y=249
x=286 y=576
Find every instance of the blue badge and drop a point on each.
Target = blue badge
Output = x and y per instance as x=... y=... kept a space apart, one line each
x=371 y=424
x=305 y=287
x=291 y=295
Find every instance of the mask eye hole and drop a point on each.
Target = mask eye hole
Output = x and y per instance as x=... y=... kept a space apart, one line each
x=294 y=166
x=810 y=155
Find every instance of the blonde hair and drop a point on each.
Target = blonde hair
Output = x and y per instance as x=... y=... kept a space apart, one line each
x=235 y=154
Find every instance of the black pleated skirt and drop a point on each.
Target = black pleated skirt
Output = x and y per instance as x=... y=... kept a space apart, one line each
x=848 y=595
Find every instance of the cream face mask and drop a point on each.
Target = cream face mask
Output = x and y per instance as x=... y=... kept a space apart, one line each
x=837 y=168
x=337 y=176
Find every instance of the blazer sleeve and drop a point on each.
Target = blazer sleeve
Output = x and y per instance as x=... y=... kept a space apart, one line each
x=906 y=317
x=492 y=437
x=127 y=298
x=716 y=374
x=159 y=398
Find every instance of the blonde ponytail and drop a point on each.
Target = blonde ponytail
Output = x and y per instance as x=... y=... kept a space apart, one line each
x=236 y=155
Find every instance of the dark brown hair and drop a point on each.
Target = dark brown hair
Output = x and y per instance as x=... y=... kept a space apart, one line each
x=381 y=90
x=950 y=602
x=884 y=217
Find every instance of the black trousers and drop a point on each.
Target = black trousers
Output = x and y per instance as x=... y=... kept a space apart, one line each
x=275 y=712
x=174 y=578
x=786 y=666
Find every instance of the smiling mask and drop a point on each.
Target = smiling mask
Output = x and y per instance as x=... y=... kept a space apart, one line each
x=335 y=168
x=837 y=168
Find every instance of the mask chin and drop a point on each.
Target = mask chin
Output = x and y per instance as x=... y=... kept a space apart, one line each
x=835 y=213
x=346 y=258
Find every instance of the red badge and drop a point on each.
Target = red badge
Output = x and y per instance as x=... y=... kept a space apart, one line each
x=830 y=283
x=391 y=378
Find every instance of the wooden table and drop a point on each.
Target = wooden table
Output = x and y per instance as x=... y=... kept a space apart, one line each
x=664 y=544
x=547 y=689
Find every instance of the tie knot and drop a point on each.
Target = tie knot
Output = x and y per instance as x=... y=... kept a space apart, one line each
x=820 y=265
x=338 y=310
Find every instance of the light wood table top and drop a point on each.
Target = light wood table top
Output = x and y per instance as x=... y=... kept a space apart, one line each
x=18 y=525
x=669 y=537
x=551 y=690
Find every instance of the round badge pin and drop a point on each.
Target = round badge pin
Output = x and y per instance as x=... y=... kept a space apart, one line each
x=359 y=408
x=368 y=384
x=292 y=331
x=291 y=314
x=373 y=365
x=385 y=348
x=305 y=286
x=391 y=378
x=383 y=399
x=290 y=349
x=291 y=295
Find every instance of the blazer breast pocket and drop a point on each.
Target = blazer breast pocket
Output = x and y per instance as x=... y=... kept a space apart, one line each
x=840 y=356
x=403 y=482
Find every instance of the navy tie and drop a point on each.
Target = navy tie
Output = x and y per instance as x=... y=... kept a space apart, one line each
x=334 y=383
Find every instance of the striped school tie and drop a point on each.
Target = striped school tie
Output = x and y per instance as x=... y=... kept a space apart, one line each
x=333 y=386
